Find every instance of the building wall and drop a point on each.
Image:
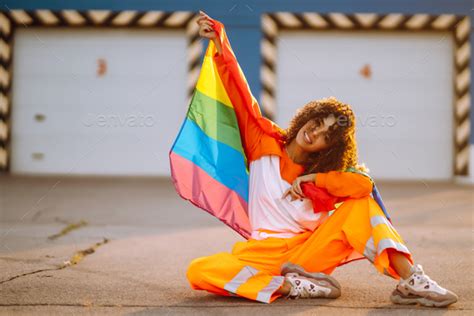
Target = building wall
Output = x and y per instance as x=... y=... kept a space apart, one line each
x=242 y=18
x=243 y=21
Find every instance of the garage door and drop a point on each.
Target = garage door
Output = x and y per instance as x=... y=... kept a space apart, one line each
x=96 y=101
x=399 y=85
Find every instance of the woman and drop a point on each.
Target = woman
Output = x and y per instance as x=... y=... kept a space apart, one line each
x=293 y=250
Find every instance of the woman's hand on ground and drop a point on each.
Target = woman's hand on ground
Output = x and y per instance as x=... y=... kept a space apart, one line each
x=295 y=190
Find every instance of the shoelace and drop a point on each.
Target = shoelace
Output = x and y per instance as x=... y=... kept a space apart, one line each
x=423 y=277
x=291 y=276
x=300 y=294
x=303 y=293
x=427 y=279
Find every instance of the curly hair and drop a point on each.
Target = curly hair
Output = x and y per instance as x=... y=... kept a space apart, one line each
x=342 y=150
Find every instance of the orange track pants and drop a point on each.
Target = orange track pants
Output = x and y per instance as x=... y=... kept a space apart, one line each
x=357 y=227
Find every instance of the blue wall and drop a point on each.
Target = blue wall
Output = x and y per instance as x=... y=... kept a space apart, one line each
x=242 y=18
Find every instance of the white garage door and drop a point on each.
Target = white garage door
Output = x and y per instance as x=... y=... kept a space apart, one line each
x=399 y=85
x=96 y=101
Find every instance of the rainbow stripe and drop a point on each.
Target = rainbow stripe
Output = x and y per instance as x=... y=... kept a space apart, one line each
x=208 y=163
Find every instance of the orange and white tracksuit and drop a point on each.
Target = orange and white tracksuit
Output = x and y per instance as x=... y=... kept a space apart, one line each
x=284 y=230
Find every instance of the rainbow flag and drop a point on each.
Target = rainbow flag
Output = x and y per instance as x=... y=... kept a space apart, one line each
x=208 y=164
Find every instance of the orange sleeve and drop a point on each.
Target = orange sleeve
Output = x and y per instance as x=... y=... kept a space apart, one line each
x=258 y=133
x=344 y=184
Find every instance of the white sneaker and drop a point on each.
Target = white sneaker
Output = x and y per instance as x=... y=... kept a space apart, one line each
x=419 y=288
x=309 y=285
x=302 y=287
x=296 y=268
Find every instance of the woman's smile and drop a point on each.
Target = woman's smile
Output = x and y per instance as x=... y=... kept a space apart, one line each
x=307 y=138
x=312 y=136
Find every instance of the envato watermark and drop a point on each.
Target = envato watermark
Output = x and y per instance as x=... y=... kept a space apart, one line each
x=119 y=120
x=373 y=120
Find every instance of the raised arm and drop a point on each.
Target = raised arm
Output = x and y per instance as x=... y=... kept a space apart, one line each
x=257 y=132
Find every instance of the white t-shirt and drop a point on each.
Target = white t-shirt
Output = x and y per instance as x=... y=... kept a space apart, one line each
x=269 y=211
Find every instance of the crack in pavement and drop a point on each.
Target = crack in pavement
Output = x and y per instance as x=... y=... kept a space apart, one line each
x=68 y=229
x=75 y=259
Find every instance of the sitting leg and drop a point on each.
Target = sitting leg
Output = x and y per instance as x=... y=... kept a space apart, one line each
x=225 y=274
x=359 y=227
x=249 y=271
x=252 y=271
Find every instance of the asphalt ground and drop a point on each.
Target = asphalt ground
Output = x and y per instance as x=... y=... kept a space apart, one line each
x=103 y=246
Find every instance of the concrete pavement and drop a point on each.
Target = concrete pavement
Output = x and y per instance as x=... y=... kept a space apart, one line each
x=139 y=236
